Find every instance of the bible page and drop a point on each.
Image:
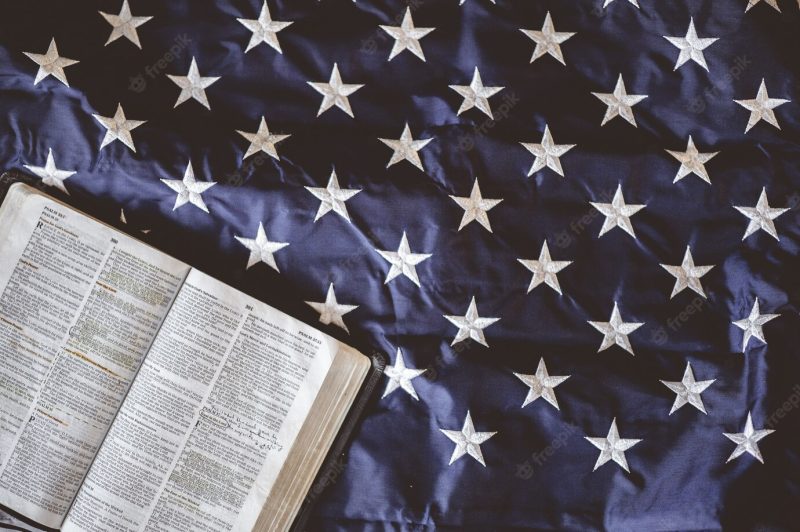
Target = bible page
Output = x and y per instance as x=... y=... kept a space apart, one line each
x=79 y=306
x=210 y=419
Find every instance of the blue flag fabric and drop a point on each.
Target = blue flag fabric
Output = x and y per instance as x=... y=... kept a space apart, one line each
x=571 y=226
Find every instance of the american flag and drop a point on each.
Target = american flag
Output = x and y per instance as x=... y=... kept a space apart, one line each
x=571 y=226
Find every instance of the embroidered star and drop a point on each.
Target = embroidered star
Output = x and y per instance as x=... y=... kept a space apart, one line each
x=331 y=311
x=334 y=92
x=541 y=385
x=612 y=447
x=634 y=2
x=619 y=103
x=761 y=108
x=548 y=40
x=264 y=29
x=189 y=189
x=752 y=325
x=615 y=331
x=475 y=207
x=406 y=36
x=617 y=213
x=471 y=325
x=761 y=216
x=747 y=441
x=692 y=162
x=691 y=47
x=118 y=128
x=773 y=3
x=193 y=85
x=124 y=25
x=476 y=95
x=467 y=441
x=687 y=274
x=400 y=376
x=545 y=269
x=548 y=153
x=332 y=198
x=262 y=140
x=51 y=64
x=50 y=175
x=688 y=390
x=403 y=261
x=406 y=148
x=262 y=250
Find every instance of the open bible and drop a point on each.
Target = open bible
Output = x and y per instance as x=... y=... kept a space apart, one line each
x=139 y=394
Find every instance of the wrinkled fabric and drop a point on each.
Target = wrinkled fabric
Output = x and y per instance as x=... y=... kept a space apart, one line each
x=538 y=472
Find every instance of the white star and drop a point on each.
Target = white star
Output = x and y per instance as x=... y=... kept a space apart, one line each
x=262 y=140
x=400 y=377
x=189 y=189
x=403 y=261
x=691 y=47
x=761 y=216
x=476 y=95
x=634 y=2
x=193 y=85
x=545 y=269
x=467 y=441
x=752 y=325
x=747 y=441
x=51 y=64
x=406 y=36
x=124 y=25
x=331 y=311
x=619 y=102
x=612 y=447
x=461 y=2
x=617 y=213
x=548 y=153
x=50 y=175
x=118 y=128
x=773 y=3
x=548 y=40
x=692 y=162
x=406 y=148
x=334 y=92
x=615 y=331
x=332 y=198
x=688 y=390
x=761 y=108
x=264 y=29
x=262 y=250
x=471 y=325
x=687 y=274
x=475 y=207
x=541 y=385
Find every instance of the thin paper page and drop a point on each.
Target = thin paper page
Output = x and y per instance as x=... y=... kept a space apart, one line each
x=80 y=306
x=220 y=398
